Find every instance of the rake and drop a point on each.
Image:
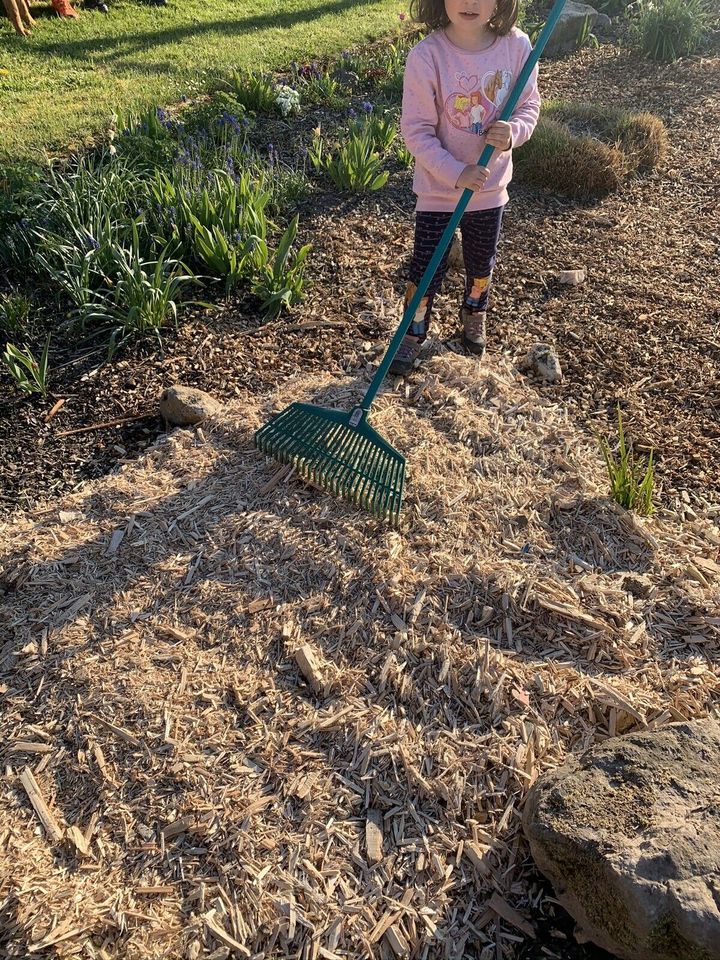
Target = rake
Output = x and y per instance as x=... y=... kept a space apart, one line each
x=339 y=451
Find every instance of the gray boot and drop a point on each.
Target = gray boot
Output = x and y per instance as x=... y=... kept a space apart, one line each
x=473 y=331
x=404 y=362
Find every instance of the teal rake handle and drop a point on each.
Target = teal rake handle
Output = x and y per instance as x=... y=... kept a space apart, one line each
x=444 y=242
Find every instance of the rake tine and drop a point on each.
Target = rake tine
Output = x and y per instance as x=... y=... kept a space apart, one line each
x=368 y=474
x=393 y=483
x=355 y=454
x=353 y=462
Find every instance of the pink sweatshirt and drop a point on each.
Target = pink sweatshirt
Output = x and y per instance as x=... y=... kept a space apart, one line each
x=450 y=97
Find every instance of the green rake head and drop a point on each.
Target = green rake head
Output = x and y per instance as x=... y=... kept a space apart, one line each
x=339 y=452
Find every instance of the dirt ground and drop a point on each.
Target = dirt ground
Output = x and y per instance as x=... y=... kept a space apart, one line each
x=642 y=330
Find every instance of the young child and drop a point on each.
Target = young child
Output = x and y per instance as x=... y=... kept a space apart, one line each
x=456 y=81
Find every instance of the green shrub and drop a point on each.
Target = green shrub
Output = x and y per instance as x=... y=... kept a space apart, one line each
x=144 y=294
x=403 y=155
x=281 y=283
x=319 y=86
x=670 y=29
x=381 y=128
x=259 y=92
x=352 y=165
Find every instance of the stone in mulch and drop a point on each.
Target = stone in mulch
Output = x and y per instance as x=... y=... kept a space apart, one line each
x=629 y=835
x=574 y=20
x=183 y=406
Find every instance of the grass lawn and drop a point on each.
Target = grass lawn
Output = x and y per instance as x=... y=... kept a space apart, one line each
x=60 y=85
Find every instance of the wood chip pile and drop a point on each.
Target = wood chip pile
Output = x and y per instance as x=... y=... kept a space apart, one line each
x=241 y=718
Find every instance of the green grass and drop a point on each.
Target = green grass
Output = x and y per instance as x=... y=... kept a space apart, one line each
x=63 y=82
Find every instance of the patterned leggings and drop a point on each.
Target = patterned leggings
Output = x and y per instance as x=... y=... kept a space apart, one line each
x=480 y=232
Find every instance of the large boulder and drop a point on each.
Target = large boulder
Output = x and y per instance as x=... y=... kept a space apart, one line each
x=629 y=836
x=569 y=29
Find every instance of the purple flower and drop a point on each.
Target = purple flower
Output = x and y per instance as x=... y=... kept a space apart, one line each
x=367 y=107
x=402 y=16
x=228 y=120
x=351 y=113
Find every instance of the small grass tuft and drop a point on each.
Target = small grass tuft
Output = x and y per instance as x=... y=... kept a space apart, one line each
x=588 y=150
x=631 y=483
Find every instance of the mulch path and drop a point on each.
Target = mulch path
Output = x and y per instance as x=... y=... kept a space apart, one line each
x=642 y=331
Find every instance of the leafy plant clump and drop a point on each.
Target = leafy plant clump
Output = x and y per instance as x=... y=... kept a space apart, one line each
x=29 y=374
x=671 y=29
x=259 y=93
x=631 y=483
x=14 y=313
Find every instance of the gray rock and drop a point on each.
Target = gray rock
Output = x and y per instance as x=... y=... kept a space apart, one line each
x=543 y=361
x=629 y=835
x=182 y=406
x=566 y=36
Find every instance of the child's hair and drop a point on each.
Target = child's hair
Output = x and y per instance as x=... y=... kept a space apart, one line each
x=432 y=14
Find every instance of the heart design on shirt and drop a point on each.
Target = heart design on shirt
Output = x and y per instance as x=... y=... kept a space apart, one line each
x=475 y=105
x=467 y=84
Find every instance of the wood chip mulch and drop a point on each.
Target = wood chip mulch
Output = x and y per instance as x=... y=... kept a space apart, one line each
x=239 y=717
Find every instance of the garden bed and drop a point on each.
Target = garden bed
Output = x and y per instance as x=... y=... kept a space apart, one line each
x=263 y=721
x=642 y=330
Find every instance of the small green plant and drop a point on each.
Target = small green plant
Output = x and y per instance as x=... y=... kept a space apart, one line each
x=352 y=165
x=386 y=70
x=280 y=284
x=29 y=374
x=255 y=91
x=381 y=128
x=586 y=38
x=670 y=29
x=143 y=295
x=403 y=154
x=631 y=484
x=226 y=259
x=14 y=313
x=325 y=89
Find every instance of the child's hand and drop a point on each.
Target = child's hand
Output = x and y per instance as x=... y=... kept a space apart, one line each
x=473 y=177
x=499 y=135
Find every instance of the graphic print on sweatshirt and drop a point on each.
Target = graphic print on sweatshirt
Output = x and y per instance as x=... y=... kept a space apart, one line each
x=477 y=102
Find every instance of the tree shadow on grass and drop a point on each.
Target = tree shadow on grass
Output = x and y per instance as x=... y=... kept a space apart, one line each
x=113 y=49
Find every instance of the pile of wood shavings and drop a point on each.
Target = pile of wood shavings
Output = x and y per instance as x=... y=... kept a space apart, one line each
x=242 y=718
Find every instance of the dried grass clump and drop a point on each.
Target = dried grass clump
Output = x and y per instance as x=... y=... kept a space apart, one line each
x=237 y=715
x=588 y=150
